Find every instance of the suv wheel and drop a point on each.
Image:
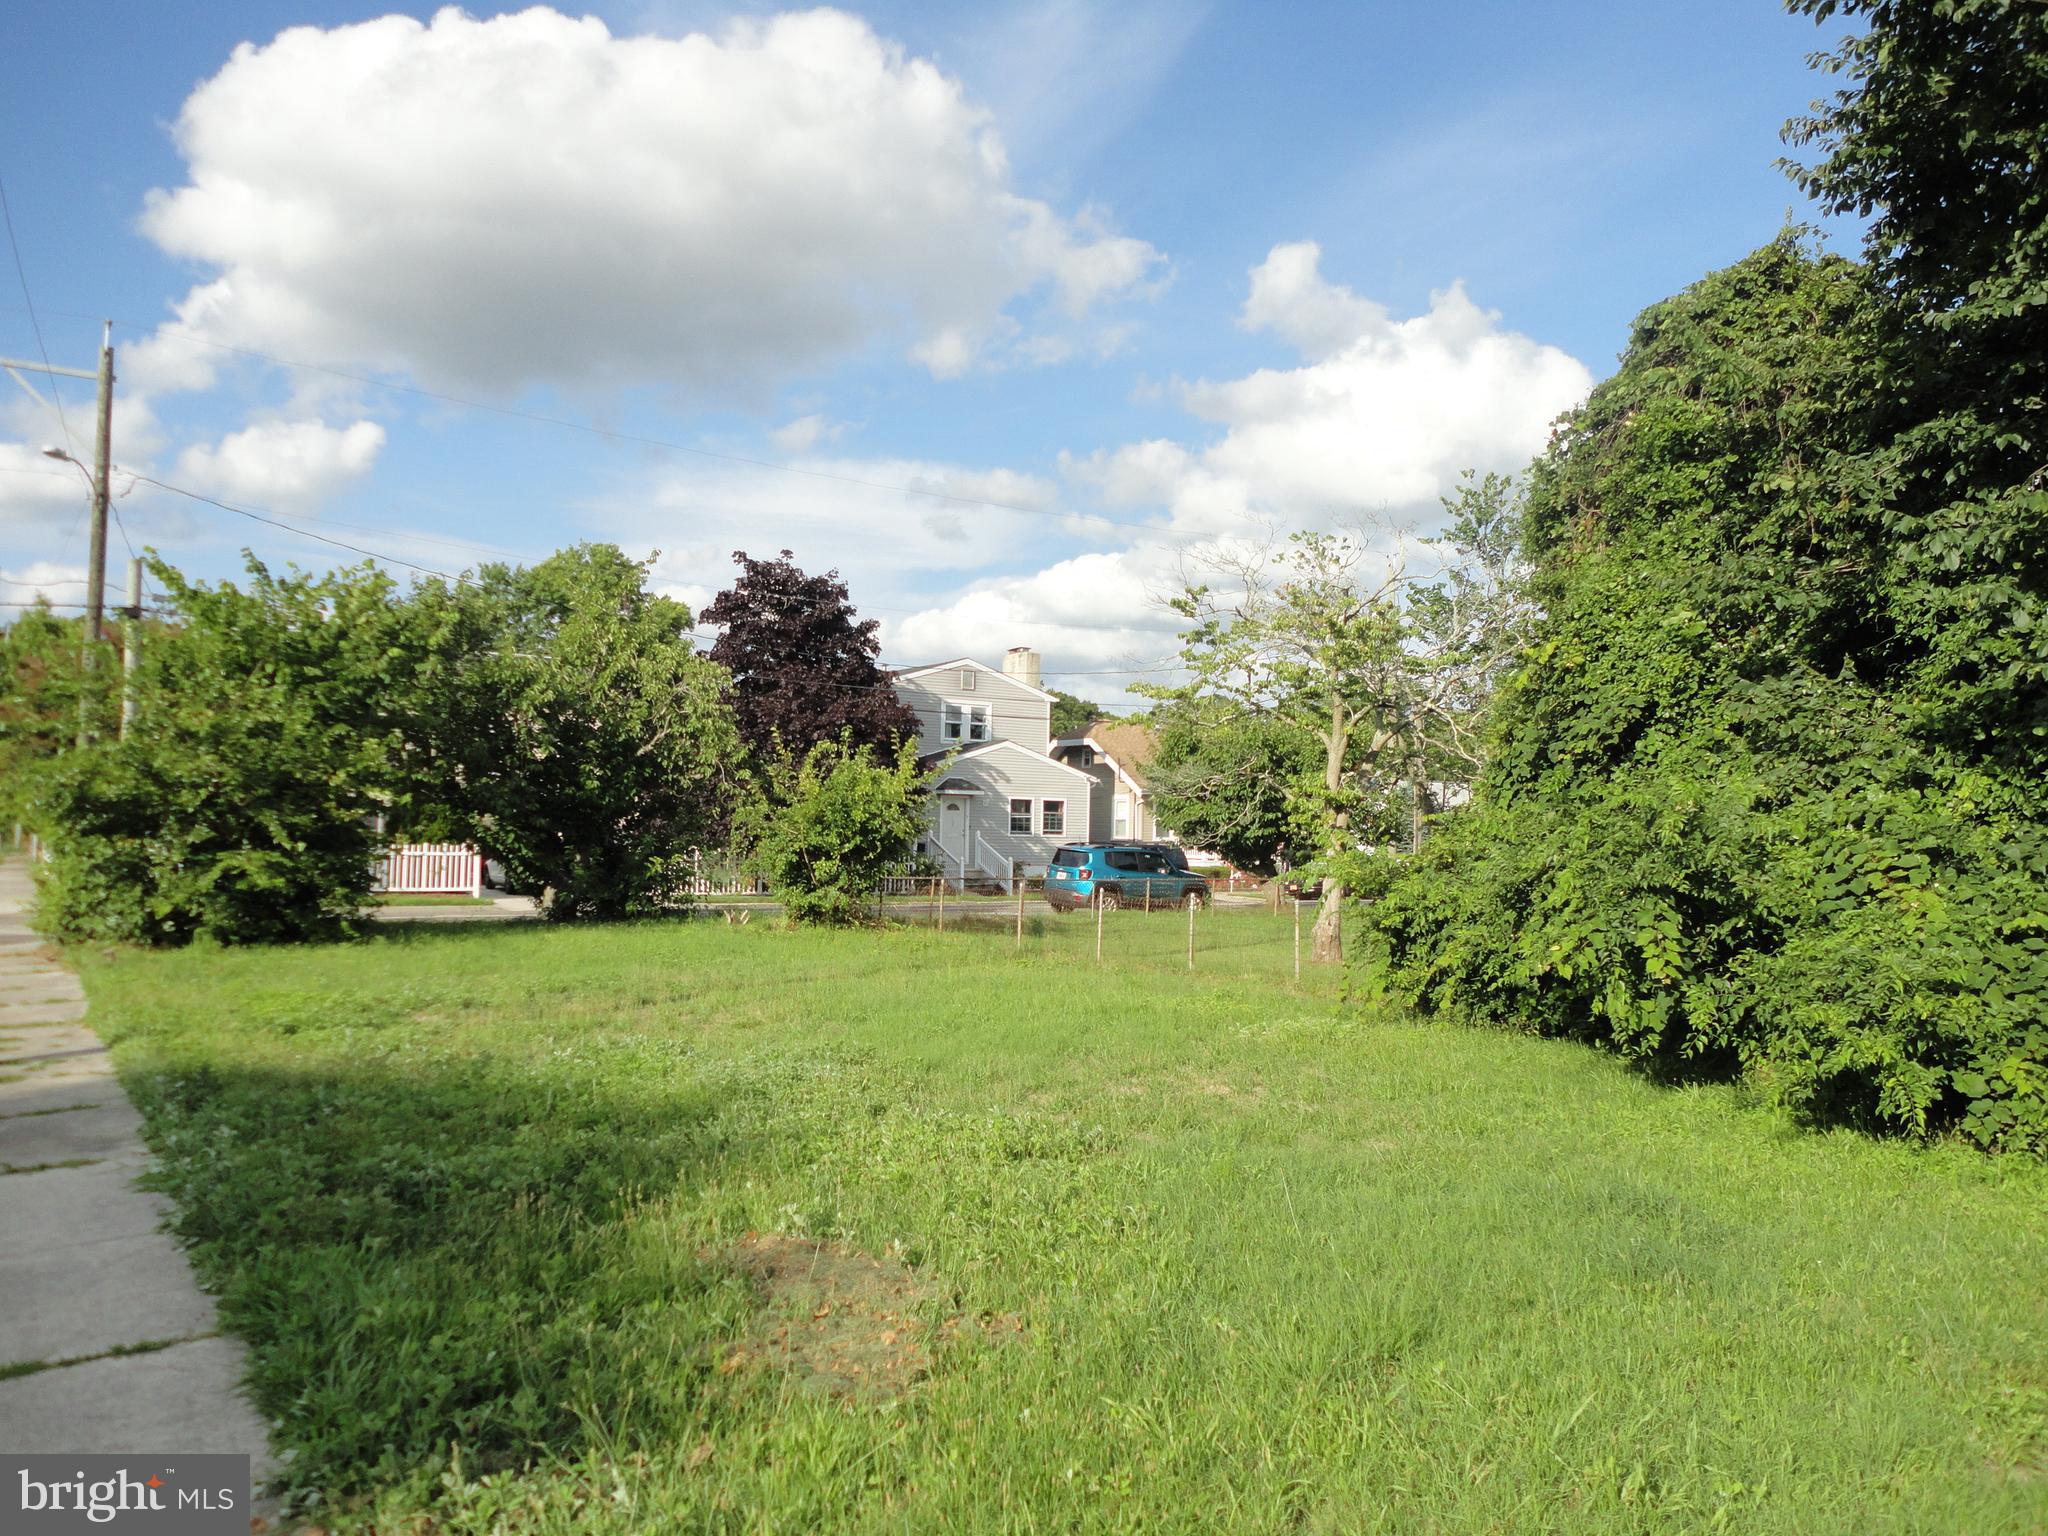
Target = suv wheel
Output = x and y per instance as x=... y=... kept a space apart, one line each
x=1195 y=899
x=1109 y=900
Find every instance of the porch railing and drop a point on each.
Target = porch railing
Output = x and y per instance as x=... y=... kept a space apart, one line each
x=992 y=863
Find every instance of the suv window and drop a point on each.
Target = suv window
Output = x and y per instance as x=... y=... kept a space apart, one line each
x=1138 y=861
x=1069 y=857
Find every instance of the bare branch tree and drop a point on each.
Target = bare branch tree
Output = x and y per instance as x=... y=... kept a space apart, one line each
x=1387 y=665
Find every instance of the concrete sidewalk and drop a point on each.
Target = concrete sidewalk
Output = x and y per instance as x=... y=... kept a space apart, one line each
x=85 y=1270
x=503 y=909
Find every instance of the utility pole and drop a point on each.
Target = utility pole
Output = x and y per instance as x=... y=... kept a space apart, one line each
x=131 y=645
x=103 y=451
x=100 y=474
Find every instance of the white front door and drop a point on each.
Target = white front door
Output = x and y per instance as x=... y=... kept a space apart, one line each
x=953 y=826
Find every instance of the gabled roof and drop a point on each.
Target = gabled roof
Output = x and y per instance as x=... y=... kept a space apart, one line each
x=1009 y=746
x=1126 y=743
x=979 y=666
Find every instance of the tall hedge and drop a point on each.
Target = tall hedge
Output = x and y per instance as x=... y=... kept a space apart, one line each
x=238 y=808
x=1746 y=812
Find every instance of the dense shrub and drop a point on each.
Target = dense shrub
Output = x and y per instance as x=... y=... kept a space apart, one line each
x=238 y=808
x=45 y=696
x=1723 y=826
x=832 y=824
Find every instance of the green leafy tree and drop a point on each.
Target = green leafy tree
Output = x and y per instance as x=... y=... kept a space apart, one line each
x=238 y=809
x=1380 y=652
x=572 y=731
x=832 y=823
x=1938 y=135
x=1244 y=787
x=1072 y=716
x=44 y=698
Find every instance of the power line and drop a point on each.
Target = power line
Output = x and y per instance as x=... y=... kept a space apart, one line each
x=7 y=211
x=179 y=490
x=566 y=424
x=149 y=608
x=576 y=426
x=459 y=580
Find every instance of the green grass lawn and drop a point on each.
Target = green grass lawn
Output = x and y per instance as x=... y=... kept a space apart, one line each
x=1151 y=1251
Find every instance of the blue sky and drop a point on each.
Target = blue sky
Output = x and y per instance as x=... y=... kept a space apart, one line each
x=1118 y=278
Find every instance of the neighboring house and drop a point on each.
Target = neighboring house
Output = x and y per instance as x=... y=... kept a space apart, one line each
x=1114 y=754
x=1003 y=804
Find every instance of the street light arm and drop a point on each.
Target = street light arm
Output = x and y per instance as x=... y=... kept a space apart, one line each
x=59 y=453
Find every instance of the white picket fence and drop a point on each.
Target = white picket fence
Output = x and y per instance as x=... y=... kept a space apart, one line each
x=430 y=869
x=726 y=885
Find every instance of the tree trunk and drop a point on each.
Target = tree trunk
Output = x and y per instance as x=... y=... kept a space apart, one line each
x=1329 y=932
x=1328 y=945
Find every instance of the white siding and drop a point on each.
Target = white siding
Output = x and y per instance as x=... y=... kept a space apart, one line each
x=1104 y=780
x=1016 y=713
x=1007 y=775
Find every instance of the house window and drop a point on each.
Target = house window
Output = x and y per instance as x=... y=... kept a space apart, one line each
x=1123 y=815
x=965 y=722
x=1052 y=817
x=1020 y=816
x=967 y=680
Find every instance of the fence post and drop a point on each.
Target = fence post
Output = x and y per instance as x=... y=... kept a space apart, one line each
x=940 y=883
x=1192 y=904
x=1297 y=938
x=1098 y=927
x=1020 y=914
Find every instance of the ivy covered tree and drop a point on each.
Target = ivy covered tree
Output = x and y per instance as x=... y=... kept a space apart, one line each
x=1939 y=136
x=1720 y=827
x=1768 y=792
x=804 y=667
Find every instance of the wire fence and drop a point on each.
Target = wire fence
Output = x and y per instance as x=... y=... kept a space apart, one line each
x=1258 y=934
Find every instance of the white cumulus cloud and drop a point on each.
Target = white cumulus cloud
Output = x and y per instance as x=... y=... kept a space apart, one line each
x=805 y=433
x=1381 y=417
x=38 y=491
x=491 y=202
x=289 y=465
x=1090 y=614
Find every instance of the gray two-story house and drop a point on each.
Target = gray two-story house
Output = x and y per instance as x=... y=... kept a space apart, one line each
x=1002 y=804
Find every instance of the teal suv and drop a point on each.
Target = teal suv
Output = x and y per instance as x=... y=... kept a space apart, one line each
x=1122 y=875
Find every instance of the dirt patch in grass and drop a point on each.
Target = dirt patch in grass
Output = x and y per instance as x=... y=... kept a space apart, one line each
x=842 y=1322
